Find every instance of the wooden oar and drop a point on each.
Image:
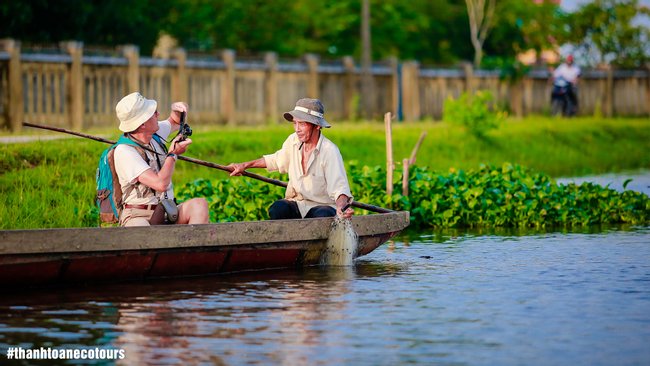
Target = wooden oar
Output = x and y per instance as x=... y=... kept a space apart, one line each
x=276 y=182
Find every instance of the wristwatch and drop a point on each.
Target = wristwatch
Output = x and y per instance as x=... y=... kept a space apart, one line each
x=172 y=156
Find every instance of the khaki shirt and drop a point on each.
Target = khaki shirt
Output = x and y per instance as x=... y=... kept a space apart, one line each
x=323 y=182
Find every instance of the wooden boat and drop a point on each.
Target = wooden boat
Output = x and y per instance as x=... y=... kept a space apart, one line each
x=55 y=256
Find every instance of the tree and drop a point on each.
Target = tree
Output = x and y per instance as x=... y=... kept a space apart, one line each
x=523 y=25
x=605 y=31
x=481 y=16
x=105 y=23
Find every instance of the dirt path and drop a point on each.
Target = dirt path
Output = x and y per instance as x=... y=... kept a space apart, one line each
x=29 y=138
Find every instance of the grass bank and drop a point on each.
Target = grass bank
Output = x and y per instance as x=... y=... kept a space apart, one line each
x=52 y=183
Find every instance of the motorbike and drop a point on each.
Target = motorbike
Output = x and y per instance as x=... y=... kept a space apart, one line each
x=561 y=98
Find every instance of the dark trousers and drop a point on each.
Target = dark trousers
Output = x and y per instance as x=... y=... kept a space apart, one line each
x=573 y=94
x=286 y=209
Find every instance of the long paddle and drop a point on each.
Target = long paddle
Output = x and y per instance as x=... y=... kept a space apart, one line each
x=276 y=182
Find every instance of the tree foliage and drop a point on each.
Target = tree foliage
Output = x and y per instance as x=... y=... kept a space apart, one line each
x=432 y=32
x=523 y=25
x=606 y=31
x=108 y=23
x=419 y=29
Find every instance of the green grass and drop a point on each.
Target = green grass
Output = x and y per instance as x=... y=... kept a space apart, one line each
x=557 y=147
x=52 y=183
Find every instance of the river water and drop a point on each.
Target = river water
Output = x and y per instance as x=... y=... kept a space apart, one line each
x=428 y=297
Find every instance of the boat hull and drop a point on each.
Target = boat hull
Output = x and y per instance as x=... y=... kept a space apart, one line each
x=55 y=256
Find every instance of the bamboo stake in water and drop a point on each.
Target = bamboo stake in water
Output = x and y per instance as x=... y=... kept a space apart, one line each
x=405 y=178
x=417 y=147
x=389 y=154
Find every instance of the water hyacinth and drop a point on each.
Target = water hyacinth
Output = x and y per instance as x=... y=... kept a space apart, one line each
x=505 y=196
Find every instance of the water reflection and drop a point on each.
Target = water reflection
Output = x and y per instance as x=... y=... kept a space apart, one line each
x=172 y=321
x=444 y=235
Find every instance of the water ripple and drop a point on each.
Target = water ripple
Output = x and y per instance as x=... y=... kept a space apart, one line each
x=547 y=298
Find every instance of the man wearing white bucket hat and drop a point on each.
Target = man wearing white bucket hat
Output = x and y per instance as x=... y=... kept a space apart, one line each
x=145 y=176
x=318 y=185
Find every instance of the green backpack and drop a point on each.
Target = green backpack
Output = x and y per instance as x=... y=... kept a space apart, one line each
x=109 y=191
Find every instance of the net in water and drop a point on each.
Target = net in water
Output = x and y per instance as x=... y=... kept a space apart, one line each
x=341 y=244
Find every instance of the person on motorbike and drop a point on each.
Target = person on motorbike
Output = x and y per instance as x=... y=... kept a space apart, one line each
x=568 y=72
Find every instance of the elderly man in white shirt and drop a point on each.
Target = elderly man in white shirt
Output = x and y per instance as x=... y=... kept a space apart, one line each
x=318 y=185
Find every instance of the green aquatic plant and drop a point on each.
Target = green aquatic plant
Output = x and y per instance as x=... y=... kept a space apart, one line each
x=233 y=199
x=514 y=196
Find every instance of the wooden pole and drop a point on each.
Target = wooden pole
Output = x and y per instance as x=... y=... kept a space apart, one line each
x=389 y=154
x=417 y=147
x=276 y=182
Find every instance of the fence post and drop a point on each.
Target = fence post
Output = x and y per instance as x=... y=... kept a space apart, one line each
x=527 y=99
x=516 y=98
x=647 y=89
x=312 y=67
x=349 y=89
x=75 y=86
x=14 y=111
x=132 y=55
x=271 y=86
x=228 y=86
x=441 y=85
x=609 y=92
x=394 y=86
x=179 y=79
x=468 y=70
x=411 y=90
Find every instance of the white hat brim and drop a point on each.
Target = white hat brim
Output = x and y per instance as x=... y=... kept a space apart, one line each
x=302 y=116
x=147 y=112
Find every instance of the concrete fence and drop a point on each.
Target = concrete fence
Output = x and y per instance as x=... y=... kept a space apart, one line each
x=68 y=88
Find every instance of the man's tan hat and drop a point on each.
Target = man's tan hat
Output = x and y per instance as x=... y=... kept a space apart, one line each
x=134 y=110
x=308 y=110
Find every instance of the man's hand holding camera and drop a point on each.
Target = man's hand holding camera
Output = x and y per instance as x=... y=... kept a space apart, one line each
x=177 y=117
x=179 y=145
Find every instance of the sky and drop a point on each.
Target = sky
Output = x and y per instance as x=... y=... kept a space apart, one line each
x=571 y=5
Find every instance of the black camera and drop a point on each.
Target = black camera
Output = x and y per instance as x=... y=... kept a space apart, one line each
x=185 y=130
